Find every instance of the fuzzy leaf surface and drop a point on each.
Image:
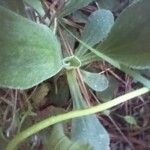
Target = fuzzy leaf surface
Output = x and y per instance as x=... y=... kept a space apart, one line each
x=96 y=30
x=29 y=52
x=95 y=81
x=129 y=40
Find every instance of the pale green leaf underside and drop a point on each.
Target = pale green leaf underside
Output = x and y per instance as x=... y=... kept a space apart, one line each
x=95 y=81
x=129 y=39
x=96 y=30
x=59 y=141
x=86 y=129
x=73 y=5
x=29 y=53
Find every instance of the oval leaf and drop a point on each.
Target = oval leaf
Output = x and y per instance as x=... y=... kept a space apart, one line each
x=96 y=30
x=129 y=39
x=29 y=52
x=95 y=81
x=110 y=92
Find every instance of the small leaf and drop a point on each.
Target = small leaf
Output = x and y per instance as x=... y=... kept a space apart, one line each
x=96 y=29
x=29 y=52
x=129 y=40
x=59 y=141
x=87 y=129
x=109 y=93
x=14 y=5
x=95 y=81
x=130 y=120
x=73 y=5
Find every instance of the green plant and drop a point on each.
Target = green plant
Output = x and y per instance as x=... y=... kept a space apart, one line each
x=31 y=53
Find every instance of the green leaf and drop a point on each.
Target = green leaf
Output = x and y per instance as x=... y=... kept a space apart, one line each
x=109 y=93
x=59 y=141
x=73 y=5
x=14 y=5
x=86 y=129
x=95 y=81
x=30 y=53
x=96 y=29
x=130 y=120
x=129 y=40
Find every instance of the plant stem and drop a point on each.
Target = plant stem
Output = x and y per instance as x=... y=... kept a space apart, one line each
x=73 y=114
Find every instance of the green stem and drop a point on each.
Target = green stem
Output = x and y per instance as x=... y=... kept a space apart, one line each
x=74 y=90
x=73 y=114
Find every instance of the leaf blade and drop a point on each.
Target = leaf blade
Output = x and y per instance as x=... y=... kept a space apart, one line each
x=95 y=81
x=129 y=43
x=30 y=53
x=96 y=29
